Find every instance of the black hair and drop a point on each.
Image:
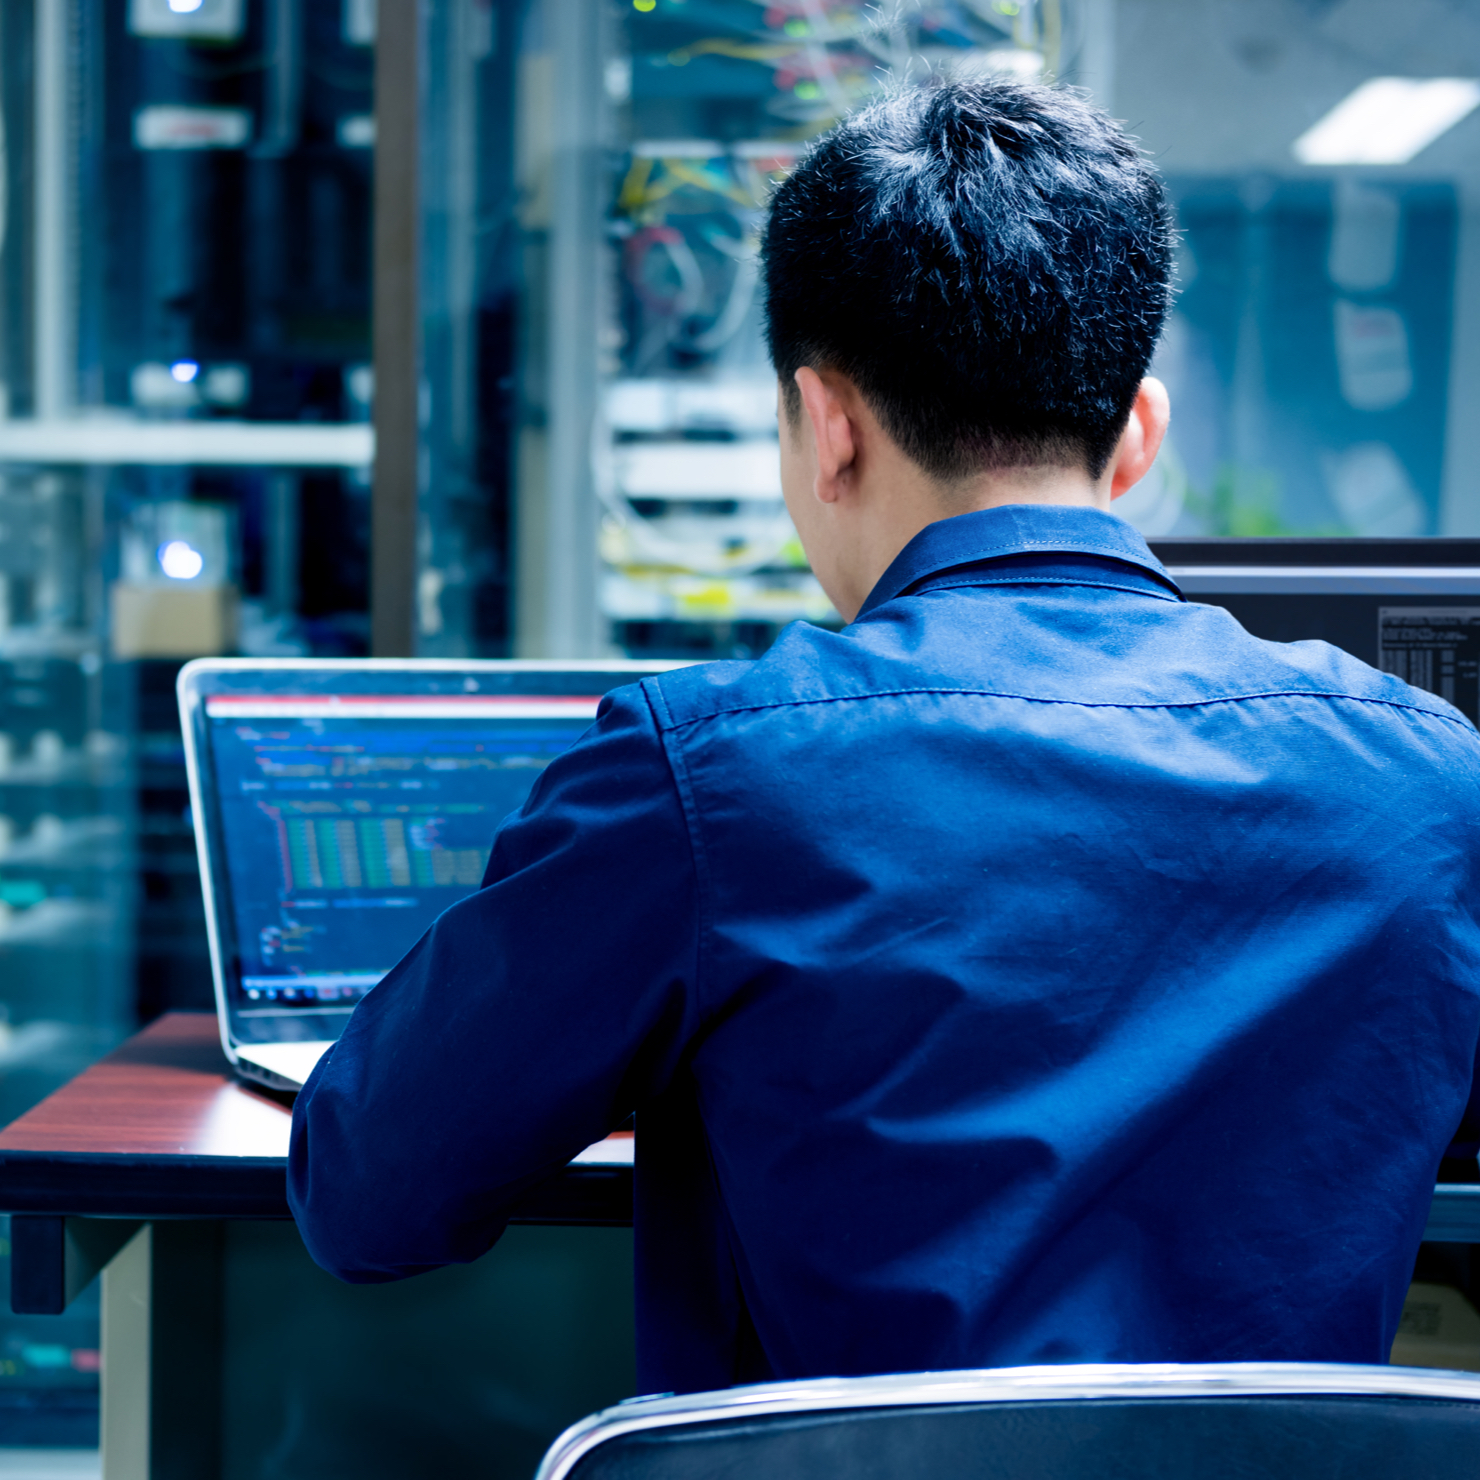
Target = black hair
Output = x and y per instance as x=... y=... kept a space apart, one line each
x=990 y=263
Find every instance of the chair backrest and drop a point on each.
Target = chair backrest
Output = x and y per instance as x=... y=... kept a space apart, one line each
x=1231 y=1421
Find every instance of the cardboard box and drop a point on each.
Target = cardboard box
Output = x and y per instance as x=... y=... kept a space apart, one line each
x=1438 y=1328
x=174 y=621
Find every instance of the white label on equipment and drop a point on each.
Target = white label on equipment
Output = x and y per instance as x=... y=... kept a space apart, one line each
x=165 y=126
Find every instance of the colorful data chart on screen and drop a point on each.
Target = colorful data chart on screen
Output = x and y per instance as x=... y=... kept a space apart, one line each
x=351 y=822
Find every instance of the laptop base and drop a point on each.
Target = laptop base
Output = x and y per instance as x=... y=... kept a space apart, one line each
x=280 y=1065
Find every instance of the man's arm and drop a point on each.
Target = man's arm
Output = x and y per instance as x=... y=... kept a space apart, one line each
x=530 y=1020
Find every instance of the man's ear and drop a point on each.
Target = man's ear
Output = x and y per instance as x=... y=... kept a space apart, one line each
x=1141 y=440
x=832 y=433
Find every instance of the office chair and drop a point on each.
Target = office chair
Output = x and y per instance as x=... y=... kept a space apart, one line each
x=1229 y=1421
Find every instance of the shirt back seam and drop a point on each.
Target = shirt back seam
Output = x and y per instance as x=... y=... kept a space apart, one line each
x=1460 y=722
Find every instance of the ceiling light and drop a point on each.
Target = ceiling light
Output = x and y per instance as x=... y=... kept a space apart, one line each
x=1007 y=61
x=1388 y=120
x=180 y=561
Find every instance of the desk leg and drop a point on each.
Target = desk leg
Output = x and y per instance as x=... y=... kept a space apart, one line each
x=161 y=1380
x=53 y=1259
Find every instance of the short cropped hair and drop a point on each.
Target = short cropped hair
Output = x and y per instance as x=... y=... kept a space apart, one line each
x=989 y=261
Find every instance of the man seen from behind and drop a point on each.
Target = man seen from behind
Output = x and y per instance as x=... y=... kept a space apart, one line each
x=1040 y=968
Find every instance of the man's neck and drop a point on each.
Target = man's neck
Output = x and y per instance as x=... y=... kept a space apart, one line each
x=886 y=522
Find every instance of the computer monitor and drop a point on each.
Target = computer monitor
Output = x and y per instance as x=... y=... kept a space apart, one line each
x=342 y=806
x=1410 y=607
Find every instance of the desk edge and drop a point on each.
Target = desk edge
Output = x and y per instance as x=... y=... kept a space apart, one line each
x=96 y=1185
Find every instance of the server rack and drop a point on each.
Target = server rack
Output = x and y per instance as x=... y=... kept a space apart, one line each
x=185 y=440
x=598 y=426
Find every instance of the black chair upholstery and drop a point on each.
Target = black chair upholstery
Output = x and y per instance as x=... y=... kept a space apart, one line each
x=1254 y=1421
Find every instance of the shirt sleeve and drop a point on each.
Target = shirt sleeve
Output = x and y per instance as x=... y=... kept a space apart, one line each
x=531 y=1019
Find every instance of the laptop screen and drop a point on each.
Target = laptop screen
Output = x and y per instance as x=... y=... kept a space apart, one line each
x=349 y=822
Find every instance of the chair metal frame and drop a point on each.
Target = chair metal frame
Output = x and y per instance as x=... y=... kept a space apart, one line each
x=1004 y=1385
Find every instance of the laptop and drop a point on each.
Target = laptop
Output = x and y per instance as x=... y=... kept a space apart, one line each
x=340 y=806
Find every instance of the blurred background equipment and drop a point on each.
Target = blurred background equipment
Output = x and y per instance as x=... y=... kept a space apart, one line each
x=173 y=597
x=184 y=454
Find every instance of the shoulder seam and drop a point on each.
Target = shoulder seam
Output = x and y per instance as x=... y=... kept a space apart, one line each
x=703 y=892
x=1461 y=723
x=657 y=701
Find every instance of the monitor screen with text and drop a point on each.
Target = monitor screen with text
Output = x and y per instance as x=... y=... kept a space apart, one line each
x=350 y=822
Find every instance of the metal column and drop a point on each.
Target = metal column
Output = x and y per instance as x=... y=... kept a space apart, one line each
x=557 y=521
x=396 y=308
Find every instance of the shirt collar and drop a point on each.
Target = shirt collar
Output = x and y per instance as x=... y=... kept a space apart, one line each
x=1014 y=529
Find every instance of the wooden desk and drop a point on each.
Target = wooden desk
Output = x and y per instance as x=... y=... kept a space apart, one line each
x=162 y=1128
x=133 y=1170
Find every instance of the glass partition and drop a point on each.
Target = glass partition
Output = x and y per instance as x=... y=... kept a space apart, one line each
x=1322 y=157
x=600 y=418
x=185 y=434
x=185 y=439
x=599 y=406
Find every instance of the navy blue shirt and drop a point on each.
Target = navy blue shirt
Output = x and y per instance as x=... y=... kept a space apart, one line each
x=1040 y=969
